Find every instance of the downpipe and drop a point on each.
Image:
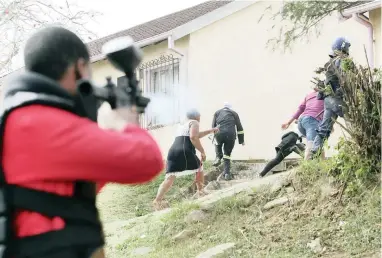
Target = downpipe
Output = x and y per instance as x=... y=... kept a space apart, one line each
x=171 y=46
x=370 y=49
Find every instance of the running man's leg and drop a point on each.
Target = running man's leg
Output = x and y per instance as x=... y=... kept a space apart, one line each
x=299 y=149
x=281 y=155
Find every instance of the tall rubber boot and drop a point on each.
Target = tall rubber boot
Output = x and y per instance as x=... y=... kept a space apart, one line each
x=219 y=155
x=227 y=170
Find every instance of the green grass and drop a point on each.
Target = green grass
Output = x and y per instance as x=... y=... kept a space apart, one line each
x=121 y=202
x=347 y=228
x=278 y=233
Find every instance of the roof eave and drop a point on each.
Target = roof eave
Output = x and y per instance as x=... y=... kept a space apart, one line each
x=362 y=8
x=141 y=44
x=193 y=25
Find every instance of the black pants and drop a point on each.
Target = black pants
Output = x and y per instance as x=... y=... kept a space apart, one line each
x=84 y=252
x=281 y=155
x=225 y=142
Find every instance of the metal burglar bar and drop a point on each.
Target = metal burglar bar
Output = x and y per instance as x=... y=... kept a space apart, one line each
x=159 y=76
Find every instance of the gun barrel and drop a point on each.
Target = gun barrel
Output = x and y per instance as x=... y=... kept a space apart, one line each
x=102 y=93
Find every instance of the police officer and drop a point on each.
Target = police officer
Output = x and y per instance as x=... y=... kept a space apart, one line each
x=331 y=93
x=228 y=122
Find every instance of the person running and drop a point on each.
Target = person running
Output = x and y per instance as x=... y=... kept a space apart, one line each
x=331 y=94
x=289 y=143
x=182 y=159
x=309 y=115
x=228 y=122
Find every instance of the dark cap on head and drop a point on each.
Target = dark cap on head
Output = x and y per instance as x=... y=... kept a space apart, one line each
x=52 y=50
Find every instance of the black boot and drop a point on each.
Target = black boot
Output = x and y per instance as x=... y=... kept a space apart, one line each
x=228 y=177
x=219 y=155
x=216 y=162
x=227 y=170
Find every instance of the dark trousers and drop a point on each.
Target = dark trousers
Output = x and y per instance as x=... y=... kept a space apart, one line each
x=281 y=155
x=225 y=142
x=332 y=110
x=70 y=253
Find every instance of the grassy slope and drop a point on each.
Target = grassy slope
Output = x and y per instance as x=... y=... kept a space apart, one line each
x=280 y=232
x=121 y=202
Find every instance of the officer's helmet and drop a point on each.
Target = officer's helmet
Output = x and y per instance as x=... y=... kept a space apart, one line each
x=341 y=45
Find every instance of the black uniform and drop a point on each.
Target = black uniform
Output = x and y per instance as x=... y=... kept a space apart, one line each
x=228 y=122
x=82 y=233
x=333 y=104
x=287 y=145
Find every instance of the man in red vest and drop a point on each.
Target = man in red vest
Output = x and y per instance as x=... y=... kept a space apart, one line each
x=53 y=156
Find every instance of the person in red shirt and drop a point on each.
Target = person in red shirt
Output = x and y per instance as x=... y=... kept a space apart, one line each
x=53 y=155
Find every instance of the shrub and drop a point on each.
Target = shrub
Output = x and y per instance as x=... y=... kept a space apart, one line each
x=359 y=154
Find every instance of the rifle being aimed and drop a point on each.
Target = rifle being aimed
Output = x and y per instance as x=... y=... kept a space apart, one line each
x=126 y=56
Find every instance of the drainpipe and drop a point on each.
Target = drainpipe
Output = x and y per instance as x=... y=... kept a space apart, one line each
x=362 y=19
x=282 y=8
x=171 y=46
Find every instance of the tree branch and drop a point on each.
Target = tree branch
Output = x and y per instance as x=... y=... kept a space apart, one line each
x=299 y=19
x=20 y=18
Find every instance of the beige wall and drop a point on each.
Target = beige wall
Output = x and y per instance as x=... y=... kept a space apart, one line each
x=228 y=61
x=375 y=18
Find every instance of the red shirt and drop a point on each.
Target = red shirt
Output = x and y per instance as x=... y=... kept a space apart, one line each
x=47 y=149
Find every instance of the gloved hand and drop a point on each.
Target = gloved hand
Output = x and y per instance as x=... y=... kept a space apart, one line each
x=319 y=70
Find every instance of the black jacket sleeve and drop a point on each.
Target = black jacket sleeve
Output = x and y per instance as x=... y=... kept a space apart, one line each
x=239 y=128
x=214 y=120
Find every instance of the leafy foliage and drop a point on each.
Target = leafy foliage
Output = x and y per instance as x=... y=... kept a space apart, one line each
x=301 y=19
x=359 y=156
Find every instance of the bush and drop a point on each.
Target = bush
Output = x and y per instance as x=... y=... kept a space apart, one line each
x=359 y=156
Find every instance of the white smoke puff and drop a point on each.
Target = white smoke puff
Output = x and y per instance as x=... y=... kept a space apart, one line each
x=162 y=107
x=171 y=107
x=108 y=119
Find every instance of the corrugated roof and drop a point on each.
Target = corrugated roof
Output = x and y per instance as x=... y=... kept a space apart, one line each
x=160 y=25
x=151 y=28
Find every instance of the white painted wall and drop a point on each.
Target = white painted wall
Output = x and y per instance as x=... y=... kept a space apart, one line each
x=228 y=61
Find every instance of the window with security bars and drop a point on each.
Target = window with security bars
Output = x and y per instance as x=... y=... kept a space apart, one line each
x=159 y=76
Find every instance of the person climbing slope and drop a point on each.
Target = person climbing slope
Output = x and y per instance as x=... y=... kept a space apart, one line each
x=309 y=115
x=331 y=93
x=228 y=122
x=182 y=159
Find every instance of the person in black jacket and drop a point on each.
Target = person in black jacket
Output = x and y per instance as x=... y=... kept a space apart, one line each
x=287 y=145
x=228 y=122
